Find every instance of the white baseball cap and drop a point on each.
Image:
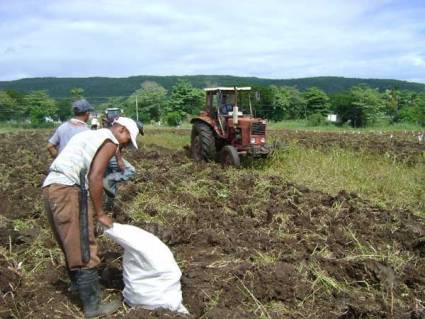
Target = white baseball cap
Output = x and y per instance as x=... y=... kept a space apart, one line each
x=131 y=126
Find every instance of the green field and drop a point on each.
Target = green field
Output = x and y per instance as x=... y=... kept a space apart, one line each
x=383 y=126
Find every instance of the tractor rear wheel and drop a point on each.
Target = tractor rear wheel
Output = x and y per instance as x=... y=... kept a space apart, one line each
x=202 y=143
x=230 y=156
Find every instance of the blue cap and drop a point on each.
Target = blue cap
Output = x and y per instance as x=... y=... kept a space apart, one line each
x=81 y=106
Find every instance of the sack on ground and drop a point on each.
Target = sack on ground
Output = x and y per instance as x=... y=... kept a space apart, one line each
x=150 y=272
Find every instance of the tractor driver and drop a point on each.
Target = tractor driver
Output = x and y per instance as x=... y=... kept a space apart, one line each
x=225 y=107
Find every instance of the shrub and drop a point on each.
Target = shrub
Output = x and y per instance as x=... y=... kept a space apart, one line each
x=316 y=119
x=173 y=118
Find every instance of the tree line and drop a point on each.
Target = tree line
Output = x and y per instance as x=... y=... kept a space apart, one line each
x=104 y=86
x=358 y=106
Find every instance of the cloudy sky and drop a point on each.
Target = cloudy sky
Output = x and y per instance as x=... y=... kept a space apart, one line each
x=263 y=38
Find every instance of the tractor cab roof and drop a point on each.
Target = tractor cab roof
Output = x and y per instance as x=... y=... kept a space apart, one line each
x=227 y=89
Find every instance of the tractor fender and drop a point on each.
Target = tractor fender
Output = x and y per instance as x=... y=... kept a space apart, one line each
x=210 y=122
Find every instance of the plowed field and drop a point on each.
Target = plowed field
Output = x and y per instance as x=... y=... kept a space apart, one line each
x=249 y=245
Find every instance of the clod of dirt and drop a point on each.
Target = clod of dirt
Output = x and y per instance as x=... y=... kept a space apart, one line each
x=9 y=278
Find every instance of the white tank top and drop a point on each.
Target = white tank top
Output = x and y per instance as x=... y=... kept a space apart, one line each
x=77 y=155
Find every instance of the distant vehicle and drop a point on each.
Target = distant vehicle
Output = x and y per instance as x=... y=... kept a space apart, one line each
x=110 y=115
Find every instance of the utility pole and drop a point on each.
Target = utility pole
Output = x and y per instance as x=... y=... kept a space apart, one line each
x=137 y=110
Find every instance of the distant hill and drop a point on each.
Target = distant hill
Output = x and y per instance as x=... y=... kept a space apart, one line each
x=99 y=88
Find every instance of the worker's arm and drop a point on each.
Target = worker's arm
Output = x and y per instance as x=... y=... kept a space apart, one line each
x=97 y=171
x=54 y=142
x=53 y=150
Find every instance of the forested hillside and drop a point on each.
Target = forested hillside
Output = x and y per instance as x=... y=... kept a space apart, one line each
x=99 y=88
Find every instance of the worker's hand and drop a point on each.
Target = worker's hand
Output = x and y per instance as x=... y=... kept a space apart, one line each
x=53 y=150
x=105 y=220
x=120 y=160
x=121 y=163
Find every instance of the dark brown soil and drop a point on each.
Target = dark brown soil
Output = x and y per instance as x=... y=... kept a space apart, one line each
x=9 y=283
x=249 y=245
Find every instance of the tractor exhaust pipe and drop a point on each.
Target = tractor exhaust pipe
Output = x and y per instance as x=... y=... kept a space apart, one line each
x=235 y=114
x=235 y=107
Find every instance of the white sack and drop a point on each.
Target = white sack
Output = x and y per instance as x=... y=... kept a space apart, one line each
x=151 y=275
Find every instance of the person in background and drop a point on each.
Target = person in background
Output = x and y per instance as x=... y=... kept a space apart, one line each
x=94 y=125
x=68 y=129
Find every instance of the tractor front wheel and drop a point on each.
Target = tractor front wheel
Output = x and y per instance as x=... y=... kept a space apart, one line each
x=202 y=143
x=230 y=156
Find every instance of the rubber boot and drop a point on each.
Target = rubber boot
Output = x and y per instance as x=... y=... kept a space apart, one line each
x=73 y=287
x=88 y=287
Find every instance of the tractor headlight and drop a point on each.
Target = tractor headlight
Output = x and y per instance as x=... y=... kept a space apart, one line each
x=252 y=140
x=263 y=140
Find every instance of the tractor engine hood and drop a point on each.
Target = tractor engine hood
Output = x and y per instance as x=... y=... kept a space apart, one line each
x=252 y=131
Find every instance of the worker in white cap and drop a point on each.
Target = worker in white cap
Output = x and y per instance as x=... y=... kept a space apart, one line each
x=79 y=170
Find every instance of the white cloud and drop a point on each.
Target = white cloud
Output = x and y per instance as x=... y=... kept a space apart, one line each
x=270 y=38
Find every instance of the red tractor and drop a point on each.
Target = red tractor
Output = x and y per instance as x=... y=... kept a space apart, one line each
x=226 y=129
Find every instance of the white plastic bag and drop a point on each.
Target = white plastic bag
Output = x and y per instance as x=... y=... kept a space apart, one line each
x=151 y=275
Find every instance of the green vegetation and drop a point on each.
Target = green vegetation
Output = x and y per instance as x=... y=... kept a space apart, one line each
x=98 y=88
x=372 y=176
x=151 y=100
x=15 y=127
x=317 y=101
x=185 y=99
x=303 y=124
x=357 y=106
x=263 y=258
x=164 y=139
x=6 y=128
x=287 y=103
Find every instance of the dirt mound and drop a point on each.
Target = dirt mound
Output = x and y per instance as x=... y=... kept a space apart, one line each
x=249 y=245
x=9 y=277
x=9 y=283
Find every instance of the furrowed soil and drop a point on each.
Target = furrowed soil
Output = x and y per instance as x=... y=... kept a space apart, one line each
x=400 y=146
x=249 y=245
